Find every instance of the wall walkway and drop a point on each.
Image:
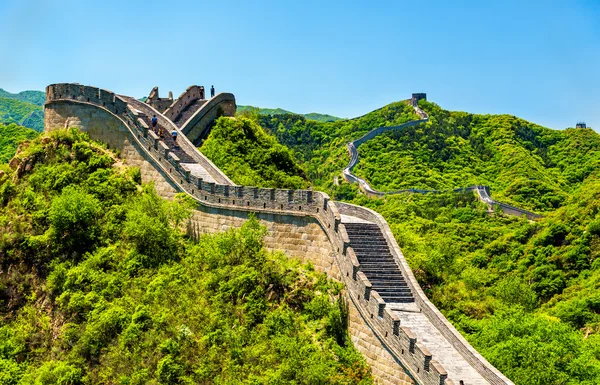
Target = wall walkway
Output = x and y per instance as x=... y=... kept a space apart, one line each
x=303 y=223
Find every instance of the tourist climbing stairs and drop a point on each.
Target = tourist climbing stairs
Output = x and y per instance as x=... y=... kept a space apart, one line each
x=168 y=140
x=377 y=262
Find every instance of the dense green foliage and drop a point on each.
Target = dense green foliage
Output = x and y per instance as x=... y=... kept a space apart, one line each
x=524 y=293
x=10 y=137
x=525 y=164
x=251 y=157
x=22 y=113
x=322 y=146
x=278 y=111
x=33 y=97
x=98 y=285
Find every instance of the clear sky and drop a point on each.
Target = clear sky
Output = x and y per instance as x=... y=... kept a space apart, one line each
x=539 y=60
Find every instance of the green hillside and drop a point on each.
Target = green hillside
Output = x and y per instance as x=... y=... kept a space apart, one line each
x=100 y=286
x=525 y=164
x=10 y=137
x=33 y=97
x=509 y=285
x=251 y=157
x=322 y=145
x=278 y=111
x=22 y=113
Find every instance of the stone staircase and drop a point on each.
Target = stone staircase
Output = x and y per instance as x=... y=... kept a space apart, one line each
x=188 y=112
x=173 y=147
x=377 y=262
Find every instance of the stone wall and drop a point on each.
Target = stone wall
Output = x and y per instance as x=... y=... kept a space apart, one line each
x=303 y=223
x=189 y=96
x=105 y=127
x=198 y=126
x=160 y=104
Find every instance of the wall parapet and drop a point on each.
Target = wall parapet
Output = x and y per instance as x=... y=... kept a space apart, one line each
x=189 y=96
x=194 y=128
x=399 y=340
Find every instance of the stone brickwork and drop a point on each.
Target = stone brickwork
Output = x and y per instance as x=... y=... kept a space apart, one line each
x=198 y=126
x=189 y=96
x=106 y=128
x=305 y=224
x=160 y=104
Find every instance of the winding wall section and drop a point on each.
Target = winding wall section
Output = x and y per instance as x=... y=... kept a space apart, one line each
x=482 y=191
x=303 y=223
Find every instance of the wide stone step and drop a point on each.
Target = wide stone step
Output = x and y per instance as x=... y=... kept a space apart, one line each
x=388 y=282
x=395 y=290
x=375 y=259
x=381 y=265
x=397 y=299
x=387 y=276
x=358 y=233
x=365 y=236
x=376 y=254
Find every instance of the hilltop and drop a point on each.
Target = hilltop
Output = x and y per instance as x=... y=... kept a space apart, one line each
x=34 y=97
x=278 y=111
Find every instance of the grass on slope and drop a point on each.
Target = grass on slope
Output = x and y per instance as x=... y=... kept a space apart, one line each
x=10 y=137
x=251 y=157
x=22 y=113
x=98 y=285
x=525 y=164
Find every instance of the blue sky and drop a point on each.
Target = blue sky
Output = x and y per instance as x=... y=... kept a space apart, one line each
x=539 y=60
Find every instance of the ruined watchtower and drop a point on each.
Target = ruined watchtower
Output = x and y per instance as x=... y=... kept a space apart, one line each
x=580 y=125
x=160 y=104
x=416 y=97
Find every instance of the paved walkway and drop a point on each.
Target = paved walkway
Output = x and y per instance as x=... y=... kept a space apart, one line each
x=427 y=334
x=200 y=172
x=441 y=350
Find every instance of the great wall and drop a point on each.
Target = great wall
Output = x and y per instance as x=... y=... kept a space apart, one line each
x=482 y=192
x=401 y=334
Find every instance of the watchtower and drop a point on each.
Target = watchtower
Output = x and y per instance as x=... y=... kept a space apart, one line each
x=416 y=97
x=580 y=125
x=161 y=104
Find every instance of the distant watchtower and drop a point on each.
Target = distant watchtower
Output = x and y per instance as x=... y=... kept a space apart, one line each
x=580 y=125
x=416 y=97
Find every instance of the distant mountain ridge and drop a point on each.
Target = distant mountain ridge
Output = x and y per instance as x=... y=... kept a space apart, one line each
x=34 y=97
x=279 y=111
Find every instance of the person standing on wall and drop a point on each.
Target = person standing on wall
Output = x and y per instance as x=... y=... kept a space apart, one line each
x=212 y=91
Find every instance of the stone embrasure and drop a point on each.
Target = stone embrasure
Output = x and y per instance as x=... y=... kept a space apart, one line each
x=350 y=243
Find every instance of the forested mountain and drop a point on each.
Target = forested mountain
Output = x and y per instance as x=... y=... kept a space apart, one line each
x=524 y=293
x=33 y=97
x=10 y=137
x=524 y=164
x=22 y=113
x=278 y=111
x=100 y=286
